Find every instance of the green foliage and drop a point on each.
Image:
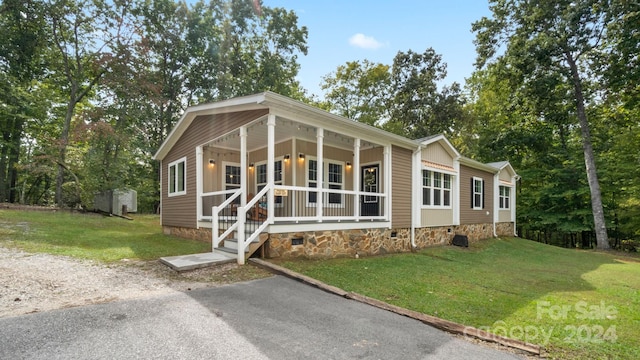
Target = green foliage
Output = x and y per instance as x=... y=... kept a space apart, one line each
x=359 y=91
x=501 y=283
x=402 y=98
x=118 y=77
x=550 y=86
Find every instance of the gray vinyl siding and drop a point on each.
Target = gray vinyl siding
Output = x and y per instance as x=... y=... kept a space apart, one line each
x=468 y=215
x=181 y=210
x=401 y=187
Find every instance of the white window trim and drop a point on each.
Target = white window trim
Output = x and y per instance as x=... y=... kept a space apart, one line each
x=281 y=182
x=451 y=183
x=505 y=199
x=325 y=178
x=224 y=174
x=473 y=194
x=172 y=164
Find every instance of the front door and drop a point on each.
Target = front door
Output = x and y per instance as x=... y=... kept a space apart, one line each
x=370 y=205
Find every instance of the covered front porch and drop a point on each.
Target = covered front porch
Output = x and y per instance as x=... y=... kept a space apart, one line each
x=281 y=173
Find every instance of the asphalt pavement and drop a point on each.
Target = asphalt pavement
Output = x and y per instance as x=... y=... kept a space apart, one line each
x=272 y=318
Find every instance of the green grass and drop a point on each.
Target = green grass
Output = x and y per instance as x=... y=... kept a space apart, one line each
x=91 y=236
x=511 y=287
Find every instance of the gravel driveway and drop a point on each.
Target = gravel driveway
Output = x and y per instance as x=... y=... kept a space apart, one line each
x=40 y=282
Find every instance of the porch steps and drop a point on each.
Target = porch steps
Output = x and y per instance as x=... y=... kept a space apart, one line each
x=231 y=245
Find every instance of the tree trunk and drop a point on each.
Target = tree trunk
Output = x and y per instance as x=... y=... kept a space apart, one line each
x=4 y=155
x=64 y=140
x=14 y=158
x=589 y=159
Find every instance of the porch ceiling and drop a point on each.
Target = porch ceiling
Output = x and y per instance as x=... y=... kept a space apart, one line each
x=286 y=129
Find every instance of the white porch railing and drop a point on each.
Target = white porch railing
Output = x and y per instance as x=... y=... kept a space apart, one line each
x=234 y=220
x=296 y=203
x=291 y=204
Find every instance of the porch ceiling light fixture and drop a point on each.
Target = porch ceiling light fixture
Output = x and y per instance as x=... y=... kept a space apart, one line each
x=301 y=156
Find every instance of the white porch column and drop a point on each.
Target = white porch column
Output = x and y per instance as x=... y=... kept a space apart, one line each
x=320 y=172
x=387 y=182
x=199 y=186
x=271 y=151
x=243 y=165
x=243 y=194
x=356 y=178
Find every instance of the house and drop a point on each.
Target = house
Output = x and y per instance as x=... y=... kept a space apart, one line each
x=271 y=173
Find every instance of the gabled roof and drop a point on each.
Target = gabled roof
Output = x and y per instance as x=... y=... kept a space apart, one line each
x=504 y=165
x=440 y=138
x=279 y=104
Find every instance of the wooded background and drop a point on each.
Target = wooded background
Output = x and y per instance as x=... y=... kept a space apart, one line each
x=89 y=89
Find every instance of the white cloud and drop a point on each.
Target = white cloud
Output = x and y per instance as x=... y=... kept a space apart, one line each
x=365 y=42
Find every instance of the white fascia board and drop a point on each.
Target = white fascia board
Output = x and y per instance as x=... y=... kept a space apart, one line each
x=478 y=165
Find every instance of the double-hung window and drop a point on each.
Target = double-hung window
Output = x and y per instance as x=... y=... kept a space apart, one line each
x=177 y=177
x=436 y=189
x=477 y=193
x=232 y=179
x=505 y=197
x=334 y=180
x=312 y=180
x=261 y=177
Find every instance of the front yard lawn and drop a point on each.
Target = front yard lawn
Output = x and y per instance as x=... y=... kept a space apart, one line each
x=92 y=236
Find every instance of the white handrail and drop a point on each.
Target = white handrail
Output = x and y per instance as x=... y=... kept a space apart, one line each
x=243 y=241
x=215 y=214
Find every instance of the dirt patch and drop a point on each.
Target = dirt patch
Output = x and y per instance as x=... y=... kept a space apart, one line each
x=40 y=282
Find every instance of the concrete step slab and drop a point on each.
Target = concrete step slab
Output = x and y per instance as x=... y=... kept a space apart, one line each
x=196 y=261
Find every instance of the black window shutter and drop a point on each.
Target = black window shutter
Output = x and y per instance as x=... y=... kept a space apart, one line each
x=483 y=193
x=472 y=192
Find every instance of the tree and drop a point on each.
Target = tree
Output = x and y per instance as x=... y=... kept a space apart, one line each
x=414 y=80
x=21 y=62
x=359 y=91
x=555 y=39
x=83 y=33
x=210 y=51
x=403 y=98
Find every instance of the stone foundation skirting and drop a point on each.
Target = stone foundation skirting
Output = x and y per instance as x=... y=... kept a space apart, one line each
x=363 y=242
x=367 y=242
x=505 y=229
x=202 y=234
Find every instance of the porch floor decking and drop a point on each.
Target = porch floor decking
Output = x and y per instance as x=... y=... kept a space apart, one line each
x=196 y=261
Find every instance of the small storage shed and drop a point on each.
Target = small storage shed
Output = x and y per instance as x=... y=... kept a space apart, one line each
x=115 y=201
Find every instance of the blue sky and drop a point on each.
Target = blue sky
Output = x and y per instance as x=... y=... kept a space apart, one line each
x=344 y=30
